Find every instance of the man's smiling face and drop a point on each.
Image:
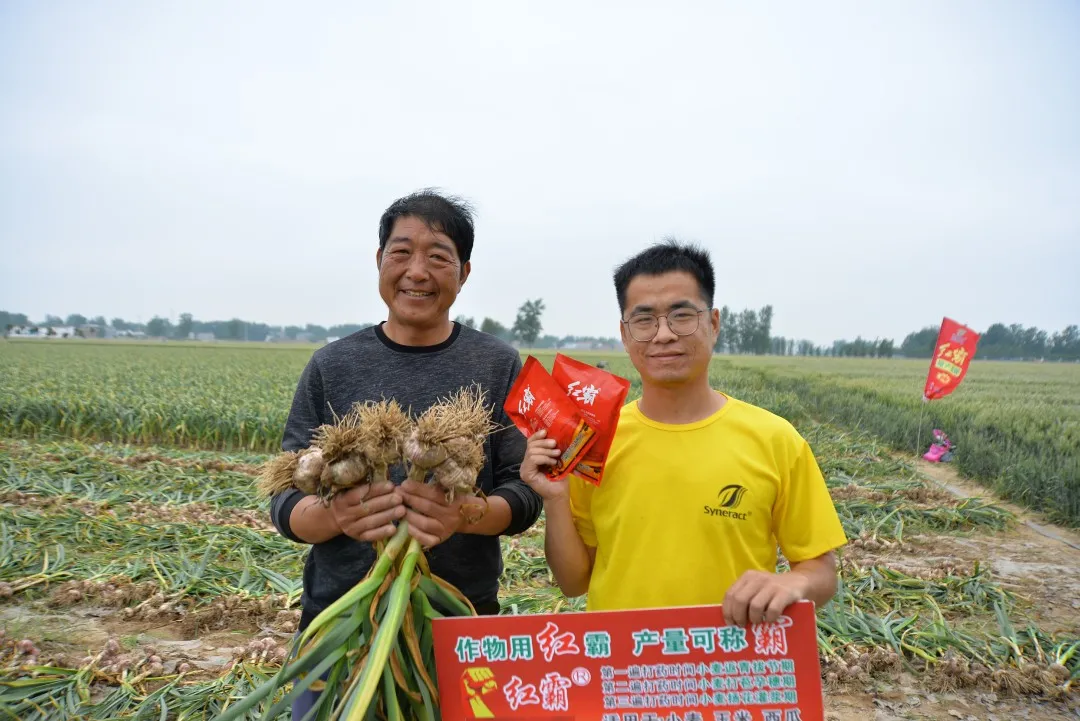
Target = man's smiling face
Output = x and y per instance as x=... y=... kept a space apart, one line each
x=420 y=274
x=667 y=358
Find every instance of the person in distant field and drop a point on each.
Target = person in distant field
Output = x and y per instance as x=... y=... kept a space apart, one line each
x=700 y=488
x=418 y=356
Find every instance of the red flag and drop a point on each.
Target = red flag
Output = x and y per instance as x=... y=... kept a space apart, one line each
x=949 y=363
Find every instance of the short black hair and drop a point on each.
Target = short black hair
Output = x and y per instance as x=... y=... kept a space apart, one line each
x=668 y=256
x=442 y=213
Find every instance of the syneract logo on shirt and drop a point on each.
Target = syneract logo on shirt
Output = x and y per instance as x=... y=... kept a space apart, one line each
x=728 y=501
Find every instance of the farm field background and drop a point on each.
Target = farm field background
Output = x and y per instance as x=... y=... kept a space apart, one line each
x=1017 y=425
x=138 y=564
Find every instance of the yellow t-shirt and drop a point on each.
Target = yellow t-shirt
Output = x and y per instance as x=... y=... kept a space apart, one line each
x=683 y=510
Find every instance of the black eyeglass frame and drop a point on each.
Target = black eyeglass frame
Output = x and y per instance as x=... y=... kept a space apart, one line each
x=656 y=322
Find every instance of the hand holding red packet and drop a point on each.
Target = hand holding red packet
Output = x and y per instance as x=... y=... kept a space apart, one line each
x=599 y=397
x=537 y=402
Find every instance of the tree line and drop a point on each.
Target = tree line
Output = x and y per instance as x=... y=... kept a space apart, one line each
x=186 y=326
x=749 y=332
x=1005 y=342
x=526 y=328
x=742 y=332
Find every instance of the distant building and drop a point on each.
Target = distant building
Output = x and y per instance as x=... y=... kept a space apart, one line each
x=26 y=331
x=600 y=345
x=41 y=331
x=93 y=330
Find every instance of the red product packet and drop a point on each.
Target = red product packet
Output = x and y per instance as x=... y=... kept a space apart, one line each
x=537 y=402
x=599 y=396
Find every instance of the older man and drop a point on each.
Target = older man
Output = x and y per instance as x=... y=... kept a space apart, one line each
x=417 y=356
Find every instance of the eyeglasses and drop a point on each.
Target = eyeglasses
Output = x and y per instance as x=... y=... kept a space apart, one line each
x=644 y=326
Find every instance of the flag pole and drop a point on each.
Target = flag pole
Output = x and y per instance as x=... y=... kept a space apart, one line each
x=918 y=434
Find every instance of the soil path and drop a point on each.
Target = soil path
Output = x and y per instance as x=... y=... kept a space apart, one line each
x=1036 y=560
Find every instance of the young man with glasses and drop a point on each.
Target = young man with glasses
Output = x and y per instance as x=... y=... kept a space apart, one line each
x=700 y=489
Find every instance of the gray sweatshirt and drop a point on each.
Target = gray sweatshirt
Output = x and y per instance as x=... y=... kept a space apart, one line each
x=367 y=365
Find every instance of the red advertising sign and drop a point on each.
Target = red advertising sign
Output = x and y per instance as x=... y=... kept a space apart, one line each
x=671 y=664
x=955 y=347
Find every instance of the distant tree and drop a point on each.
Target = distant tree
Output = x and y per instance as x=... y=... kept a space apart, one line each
x=234 y=329
x=53 y=320
x=13 y=319
x=920 y=344
x=996 y=336
x=733 y=341
x=75 y=319
x=1001 y=341
x=255 y=331
x=723 y=338
x=159 y=327
x=463 y=320
x=527 y=325
x=546 y=342
x=185 y=326
x=748 y=330
x=764 y=329
x=1035 y=342
x=1066 y=344
x=494 y=327
x=340 y=331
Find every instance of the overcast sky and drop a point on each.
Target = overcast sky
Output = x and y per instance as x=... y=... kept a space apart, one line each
x=866 y=168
